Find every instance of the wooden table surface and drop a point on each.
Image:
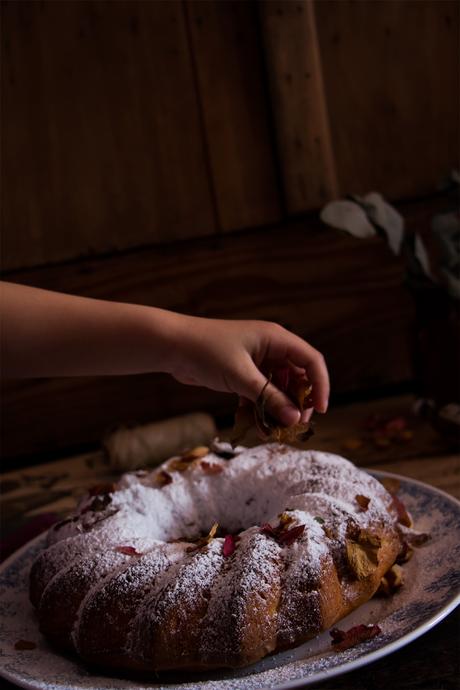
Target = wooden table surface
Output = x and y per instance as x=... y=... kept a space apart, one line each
x=429 y=663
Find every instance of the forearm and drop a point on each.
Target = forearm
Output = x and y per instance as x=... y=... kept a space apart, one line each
x=51 y=334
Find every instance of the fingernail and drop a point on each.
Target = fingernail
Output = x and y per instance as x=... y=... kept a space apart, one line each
x=289 y=415
x=322 y=408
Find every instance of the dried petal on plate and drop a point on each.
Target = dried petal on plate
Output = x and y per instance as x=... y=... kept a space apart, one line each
x=412 y=537
x=211 y=468
x=128 y=550
x=344 y=639
x=391 y=581
x=403 y=516
x=163 y=478
x=391 y=484
x=22 y=645
x=405 y=554
x=362 y=554
x=362 y=501
x=229 y=545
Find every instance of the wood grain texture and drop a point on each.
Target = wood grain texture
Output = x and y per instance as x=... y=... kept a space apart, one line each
x=299 y=104
x=228 y=60
x=391 y=74
x=102 y=147
x=343 y=295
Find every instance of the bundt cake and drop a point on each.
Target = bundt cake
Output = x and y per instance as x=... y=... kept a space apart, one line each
x=214 y=559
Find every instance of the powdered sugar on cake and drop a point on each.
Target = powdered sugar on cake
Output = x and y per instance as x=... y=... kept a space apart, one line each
x=143 y=531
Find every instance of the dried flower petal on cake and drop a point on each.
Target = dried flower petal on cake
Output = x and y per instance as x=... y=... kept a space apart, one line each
x=185 y=461
x=105 y=488
x=229 y=545
x=344 y=639
x=204 y=541
x=284 y=537
x=291 y=535
x=362 y=553
x=362 y=501
x=211 y=468
x=128 y=550
x=163 y=478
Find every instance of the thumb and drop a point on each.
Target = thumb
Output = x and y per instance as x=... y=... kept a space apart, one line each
x=251 y=383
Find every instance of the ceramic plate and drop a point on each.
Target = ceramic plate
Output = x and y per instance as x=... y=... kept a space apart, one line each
x=432 y=590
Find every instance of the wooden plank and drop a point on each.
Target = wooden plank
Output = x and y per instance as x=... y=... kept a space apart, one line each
x=391 y=73
x=299 y=103
x=230 y=76
x=346 y=296
x=102 y=142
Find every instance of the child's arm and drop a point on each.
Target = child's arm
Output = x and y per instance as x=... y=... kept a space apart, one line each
x=51 y=334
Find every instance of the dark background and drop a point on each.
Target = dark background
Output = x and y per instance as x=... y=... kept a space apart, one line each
x=176 y=154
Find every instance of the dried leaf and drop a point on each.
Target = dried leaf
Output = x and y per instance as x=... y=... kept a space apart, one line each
x=362 y=501
x=342 y=639
x=22 y=645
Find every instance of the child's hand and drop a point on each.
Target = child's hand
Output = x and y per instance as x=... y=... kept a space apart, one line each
x=237 y=357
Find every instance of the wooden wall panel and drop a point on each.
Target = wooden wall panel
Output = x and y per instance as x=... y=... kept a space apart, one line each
x=344 y=295
x=228 y=57
x=299 y=104
x=102 y=145
x=391 y=72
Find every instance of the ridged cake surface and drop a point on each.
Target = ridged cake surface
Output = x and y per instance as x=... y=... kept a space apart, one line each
x=126 y=582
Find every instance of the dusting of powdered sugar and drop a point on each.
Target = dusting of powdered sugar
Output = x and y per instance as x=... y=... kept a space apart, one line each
x=251 y=489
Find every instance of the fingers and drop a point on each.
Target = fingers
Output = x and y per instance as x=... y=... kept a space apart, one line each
x=304 y=355
x=251 y=382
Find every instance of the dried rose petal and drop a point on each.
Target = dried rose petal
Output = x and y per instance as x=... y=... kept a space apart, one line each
x=229 y=545
x=127 y=550
x=344 y=639
x=211 y=468
x=163 y=478
x=105 y=488
x=403 y=516
x=289 y=537
x=266 y=528
x=21 y=645
x=362 y=501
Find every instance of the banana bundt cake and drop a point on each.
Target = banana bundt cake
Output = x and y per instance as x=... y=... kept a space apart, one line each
x=214 y=559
